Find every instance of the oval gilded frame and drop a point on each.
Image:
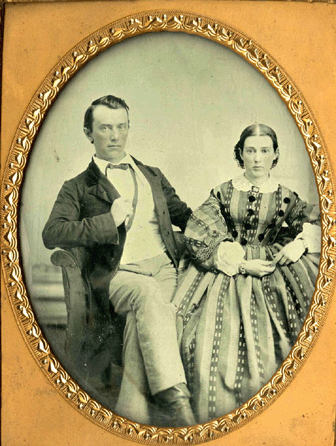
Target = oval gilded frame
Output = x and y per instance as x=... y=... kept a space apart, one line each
x=65 y=69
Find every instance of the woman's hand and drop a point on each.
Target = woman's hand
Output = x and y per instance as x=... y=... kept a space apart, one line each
x=290 y=253
x=257 y=267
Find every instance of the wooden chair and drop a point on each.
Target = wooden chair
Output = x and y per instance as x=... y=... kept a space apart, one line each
x=105 y=384
x=77 y=294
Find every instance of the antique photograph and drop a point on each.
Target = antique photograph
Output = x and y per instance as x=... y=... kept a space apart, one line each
x=170 y=229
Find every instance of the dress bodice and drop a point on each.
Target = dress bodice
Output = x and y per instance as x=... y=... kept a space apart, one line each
x=250 y=215
x=254 y=217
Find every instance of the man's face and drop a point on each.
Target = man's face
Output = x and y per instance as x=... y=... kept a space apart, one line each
x=109 y=133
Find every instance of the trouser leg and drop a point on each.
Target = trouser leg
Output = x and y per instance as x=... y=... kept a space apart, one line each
x=133 y=400
x=151 y=352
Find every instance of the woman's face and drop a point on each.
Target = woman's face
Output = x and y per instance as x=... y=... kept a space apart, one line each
x=258 y=156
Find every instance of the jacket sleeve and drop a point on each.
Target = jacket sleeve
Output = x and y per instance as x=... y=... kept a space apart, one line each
x=206 y=232
x=178 y=210
x=65 y=229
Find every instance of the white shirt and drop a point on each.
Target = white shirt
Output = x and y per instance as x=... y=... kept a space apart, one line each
x=143 y=240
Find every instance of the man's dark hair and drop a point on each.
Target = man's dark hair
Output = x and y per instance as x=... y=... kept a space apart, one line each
x=109 y=101
x=255 y=130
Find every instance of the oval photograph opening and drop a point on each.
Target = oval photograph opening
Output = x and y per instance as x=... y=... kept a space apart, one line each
x=170 y=229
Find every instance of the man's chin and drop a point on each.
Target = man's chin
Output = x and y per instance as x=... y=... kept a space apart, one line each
x=112 y=155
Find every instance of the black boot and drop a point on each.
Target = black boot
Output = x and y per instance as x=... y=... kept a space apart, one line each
x=174 y=403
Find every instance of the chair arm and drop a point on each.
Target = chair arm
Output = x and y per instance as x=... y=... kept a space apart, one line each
x=63 y=259
x=73 y=257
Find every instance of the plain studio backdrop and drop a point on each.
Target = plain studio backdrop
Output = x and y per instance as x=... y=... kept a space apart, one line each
x=189 y=101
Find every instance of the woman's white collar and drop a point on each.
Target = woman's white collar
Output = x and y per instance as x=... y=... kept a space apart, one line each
x=243 y=184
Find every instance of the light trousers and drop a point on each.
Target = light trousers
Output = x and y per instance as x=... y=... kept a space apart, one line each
x=151 y=357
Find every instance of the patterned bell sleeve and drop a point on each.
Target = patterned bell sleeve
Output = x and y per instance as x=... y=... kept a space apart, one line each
x=209 y=242
x=305 y=220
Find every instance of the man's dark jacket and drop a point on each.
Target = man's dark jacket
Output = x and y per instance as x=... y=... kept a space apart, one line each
x=81 y=221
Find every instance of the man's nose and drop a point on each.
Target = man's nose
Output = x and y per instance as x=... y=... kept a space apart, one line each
x=114 y=134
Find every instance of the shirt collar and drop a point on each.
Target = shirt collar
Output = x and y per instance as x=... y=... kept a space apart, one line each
x=102 y=164
x=243 y=184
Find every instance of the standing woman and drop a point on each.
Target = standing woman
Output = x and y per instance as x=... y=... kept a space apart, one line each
x=255 y=249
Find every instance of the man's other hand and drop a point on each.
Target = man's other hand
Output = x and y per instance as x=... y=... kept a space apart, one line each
x=120 y=210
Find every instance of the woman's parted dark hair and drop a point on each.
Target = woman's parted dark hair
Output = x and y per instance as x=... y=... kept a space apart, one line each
x=109 y=101
x=255 y=130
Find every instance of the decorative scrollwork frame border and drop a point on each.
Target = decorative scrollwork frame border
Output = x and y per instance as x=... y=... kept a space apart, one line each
x=156 y=21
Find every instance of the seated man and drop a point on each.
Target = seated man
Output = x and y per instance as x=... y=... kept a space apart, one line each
x=121 y=212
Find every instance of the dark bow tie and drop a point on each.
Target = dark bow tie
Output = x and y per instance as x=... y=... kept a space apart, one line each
x=123 y=166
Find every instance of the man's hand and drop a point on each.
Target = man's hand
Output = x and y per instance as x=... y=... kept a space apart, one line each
x=290 y=253
x=258 y=268
x=120 y=210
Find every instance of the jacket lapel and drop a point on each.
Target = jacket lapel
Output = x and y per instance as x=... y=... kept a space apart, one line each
x=153 y=180
x=99 y=185
x=102 y=188
x=161 y=209
x=160 y=202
